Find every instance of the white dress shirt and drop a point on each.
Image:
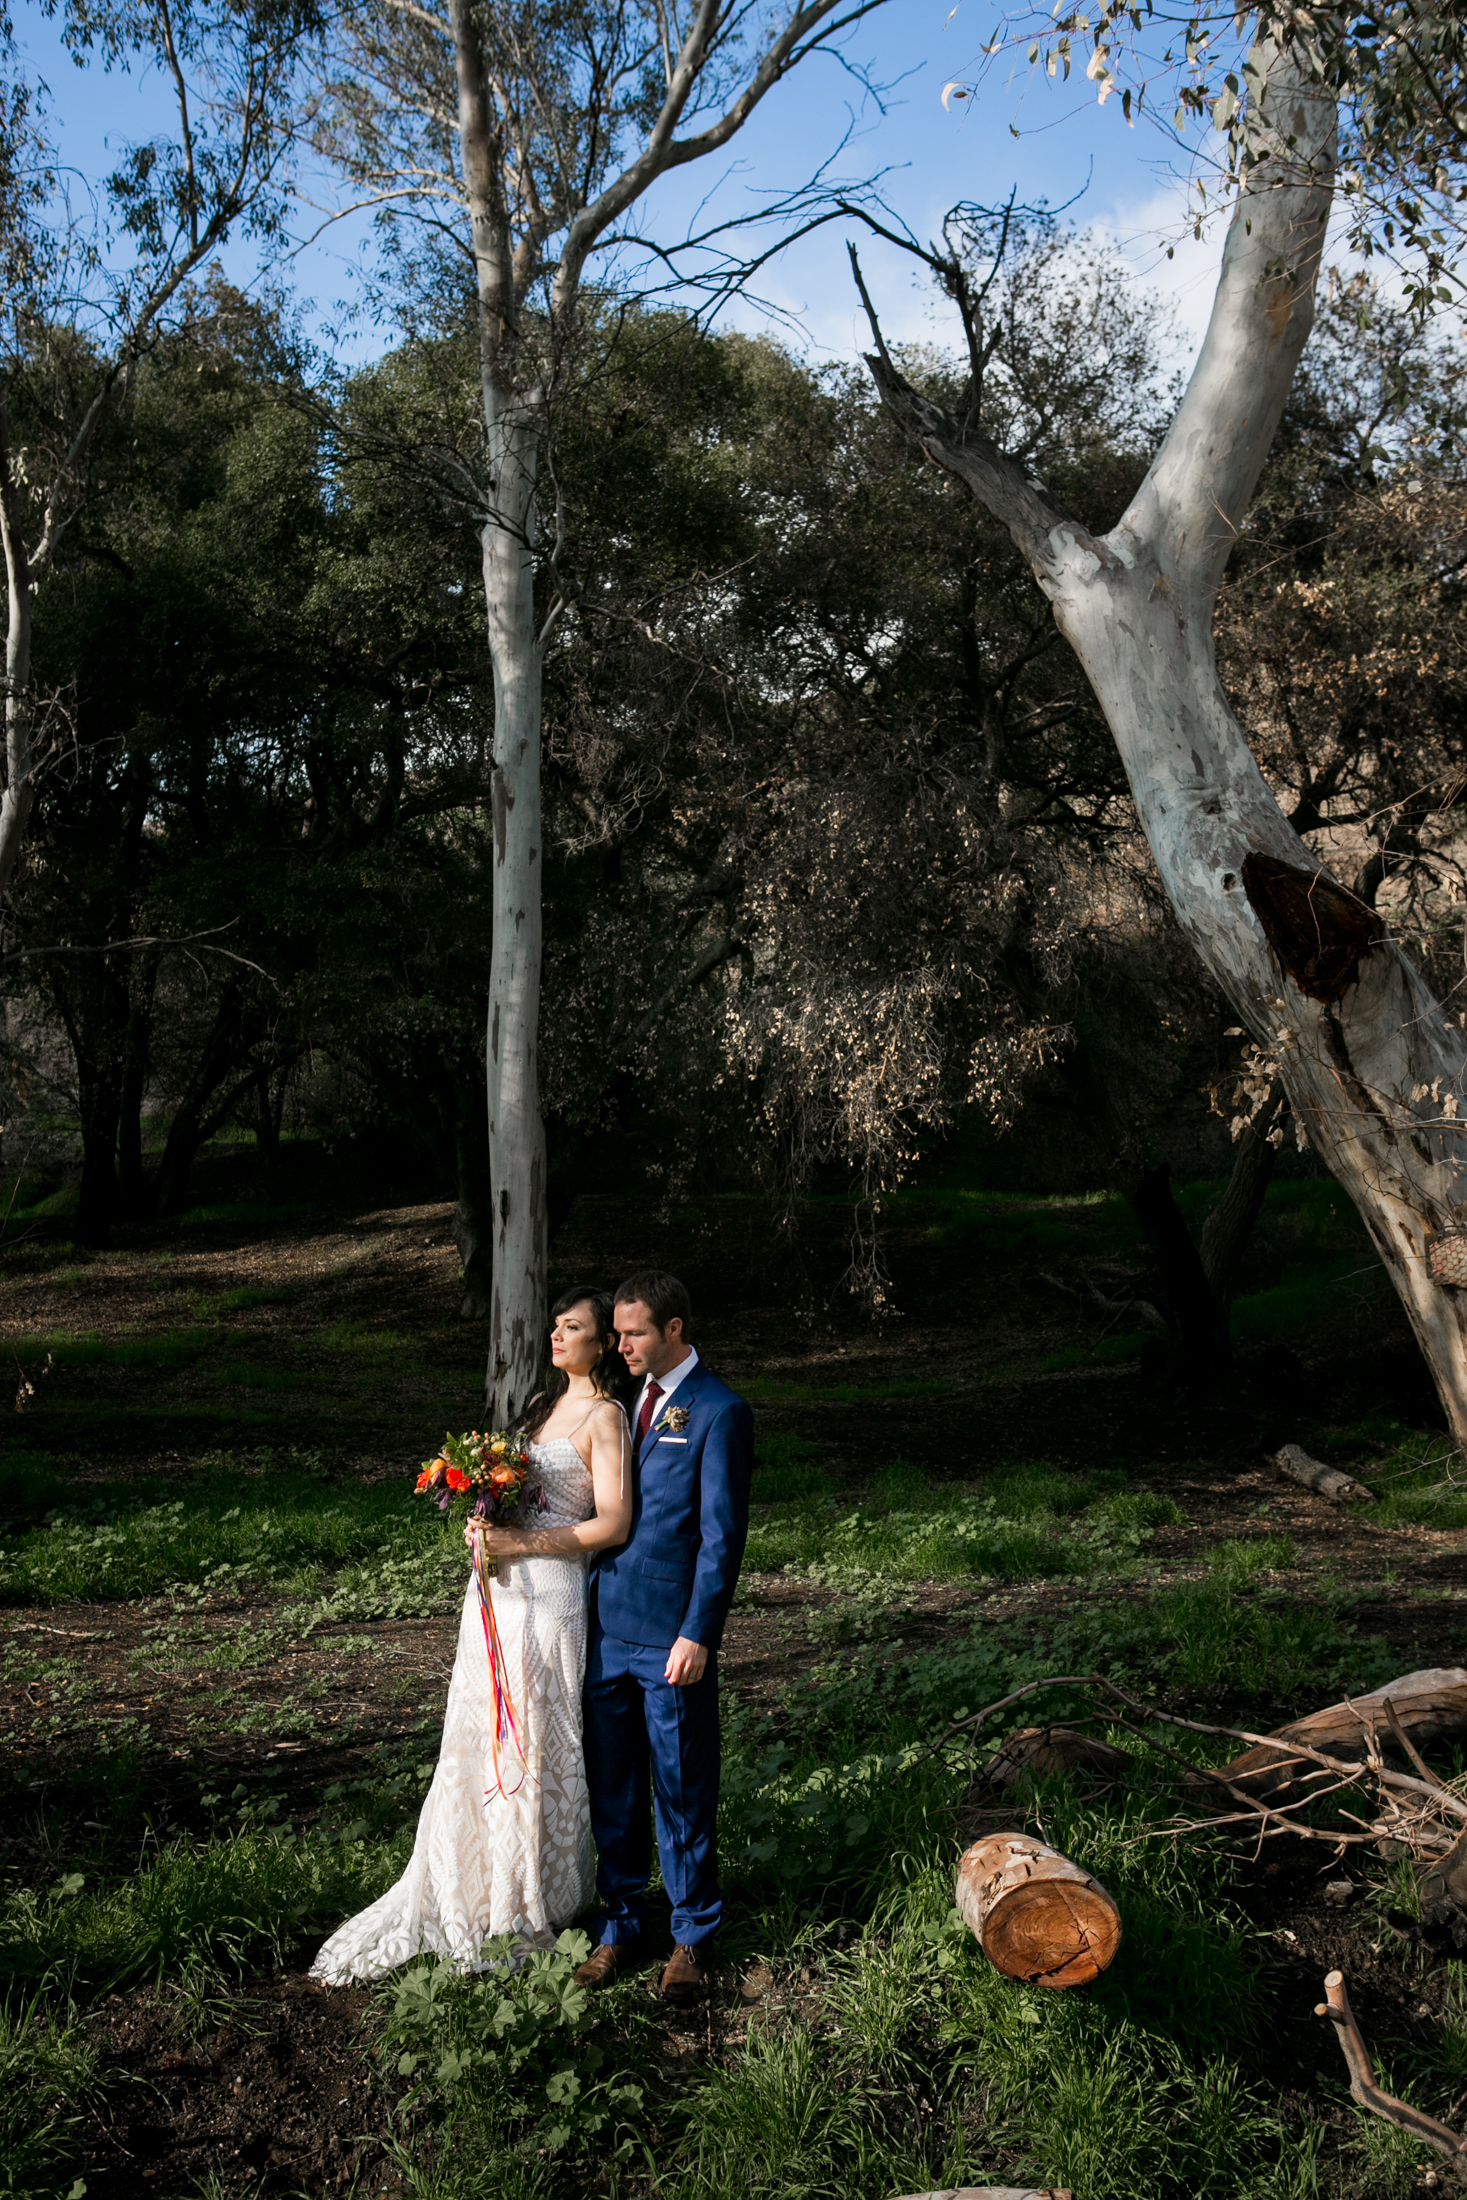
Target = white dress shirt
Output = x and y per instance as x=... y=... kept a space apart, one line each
x=669 y=1383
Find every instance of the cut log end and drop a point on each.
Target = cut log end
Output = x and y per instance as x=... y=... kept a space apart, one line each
x=1037 y=1916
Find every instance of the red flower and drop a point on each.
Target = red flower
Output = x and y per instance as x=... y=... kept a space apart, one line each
x=458 y=1480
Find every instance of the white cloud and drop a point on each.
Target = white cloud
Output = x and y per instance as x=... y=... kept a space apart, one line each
x=1144 y=230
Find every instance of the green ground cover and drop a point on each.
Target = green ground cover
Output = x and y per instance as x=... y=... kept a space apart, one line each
x=1024 y=1525
x=1309 y=1247
x=275 y=1519
x=903 y=2062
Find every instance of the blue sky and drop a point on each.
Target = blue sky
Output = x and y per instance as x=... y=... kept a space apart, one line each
x=933 y=157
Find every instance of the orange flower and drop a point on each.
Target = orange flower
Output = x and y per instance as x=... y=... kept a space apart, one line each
x=433 y=1471
x=458 y=1480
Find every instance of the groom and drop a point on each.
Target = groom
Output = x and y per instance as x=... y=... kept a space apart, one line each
x=658 y=1605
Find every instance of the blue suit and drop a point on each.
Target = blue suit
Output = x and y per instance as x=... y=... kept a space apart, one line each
x=675 y=1575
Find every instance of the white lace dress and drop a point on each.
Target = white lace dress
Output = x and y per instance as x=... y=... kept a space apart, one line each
x=485 y=1863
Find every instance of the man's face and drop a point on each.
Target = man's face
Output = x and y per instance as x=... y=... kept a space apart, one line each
x=647 y=1349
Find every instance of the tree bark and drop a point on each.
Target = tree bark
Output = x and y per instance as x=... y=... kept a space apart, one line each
x=1198 y=1325
x=516 y=1126
x=1313 y=1474
x=1363 y=2087
x=473 y=1214
x=19 y=792
x=1431 y=1706
x=142 y=985
x=995 y=2192
x=1035 y=1915
x=1369 y=1062
x=1228 y=1228
x=502 y=131
x=1033 y=1752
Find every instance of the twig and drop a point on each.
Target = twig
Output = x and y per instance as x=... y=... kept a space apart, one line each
x=1271 y=1819
x=1336 y=2006
x=1410 y=1748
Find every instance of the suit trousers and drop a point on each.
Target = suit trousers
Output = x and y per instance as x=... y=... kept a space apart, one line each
x=650 y=1744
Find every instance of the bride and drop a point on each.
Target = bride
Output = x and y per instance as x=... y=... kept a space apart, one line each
x=519 y=1860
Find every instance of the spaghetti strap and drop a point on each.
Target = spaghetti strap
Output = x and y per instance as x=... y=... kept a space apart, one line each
x=572 y=1434
x=585 y=1417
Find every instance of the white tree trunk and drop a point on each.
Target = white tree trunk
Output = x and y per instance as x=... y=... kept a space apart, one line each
x=519 y=188
x=1355 y=1029
x=516 y=1127
x=20 y=777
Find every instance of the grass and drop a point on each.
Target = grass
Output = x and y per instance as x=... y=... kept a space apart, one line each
x=370 y=1343
x=774 y=1390
x=251 y=1375
x=1035 y=1523
x=1418 y=1484
x=278 y=1524
x=49 y=2078
x=890 y=2057
x=239 y=1302
x=195 y=1908
x=86 y=1349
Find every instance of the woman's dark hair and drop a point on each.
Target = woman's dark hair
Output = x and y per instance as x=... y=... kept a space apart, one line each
x=610 y=1374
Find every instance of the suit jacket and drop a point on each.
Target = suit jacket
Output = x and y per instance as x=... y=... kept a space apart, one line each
x=676 y=1572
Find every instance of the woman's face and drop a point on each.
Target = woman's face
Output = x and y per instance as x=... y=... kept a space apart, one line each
x=574 y=1345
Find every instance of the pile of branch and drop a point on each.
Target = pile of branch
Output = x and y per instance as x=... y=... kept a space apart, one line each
x=1349 y=1754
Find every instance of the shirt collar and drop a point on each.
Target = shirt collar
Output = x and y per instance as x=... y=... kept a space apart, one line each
x=669 y=1381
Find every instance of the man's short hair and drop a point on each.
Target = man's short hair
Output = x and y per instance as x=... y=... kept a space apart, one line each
x=663 y=1296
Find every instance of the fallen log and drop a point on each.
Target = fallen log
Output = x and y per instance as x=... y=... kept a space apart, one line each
x=994 y=2192
x=1336 y=2006
x=1430 y=1706
x=1037 y=1750
x=1312 y=1474
x=1035 y=1915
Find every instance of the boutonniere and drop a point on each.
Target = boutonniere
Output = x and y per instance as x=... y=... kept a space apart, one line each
x=675 y=1420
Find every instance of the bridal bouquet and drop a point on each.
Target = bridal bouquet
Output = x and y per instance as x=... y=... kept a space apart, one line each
x=491 y=1475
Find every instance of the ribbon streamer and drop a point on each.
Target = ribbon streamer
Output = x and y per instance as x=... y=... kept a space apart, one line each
x=505 y=1732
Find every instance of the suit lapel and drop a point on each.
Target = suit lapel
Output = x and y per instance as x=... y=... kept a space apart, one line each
x=686 y=1394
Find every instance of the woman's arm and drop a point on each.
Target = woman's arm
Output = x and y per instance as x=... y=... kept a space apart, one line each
x=610 y=1524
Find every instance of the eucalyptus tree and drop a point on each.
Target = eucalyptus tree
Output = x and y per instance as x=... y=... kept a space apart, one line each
x=1372 y=1066
x=536 y=131
x=173 y=203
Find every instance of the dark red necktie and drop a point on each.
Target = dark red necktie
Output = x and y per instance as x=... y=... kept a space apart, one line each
x=649 y=1406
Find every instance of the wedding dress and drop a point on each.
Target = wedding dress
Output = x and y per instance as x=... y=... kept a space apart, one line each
x=486 y=1863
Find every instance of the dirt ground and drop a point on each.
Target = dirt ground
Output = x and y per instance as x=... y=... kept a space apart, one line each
x=340 y=1333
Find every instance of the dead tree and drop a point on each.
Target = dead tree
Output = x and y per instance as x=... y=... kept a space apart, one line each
x=1372 y=1068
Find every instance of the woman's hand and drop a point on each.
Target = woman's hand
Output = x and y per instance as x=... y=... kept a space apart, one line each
x=497 y=1542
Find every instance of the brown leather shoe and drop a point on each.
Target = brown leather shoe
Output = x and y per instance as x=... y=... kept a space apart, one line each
x=601 y=1968
x=686 y=1977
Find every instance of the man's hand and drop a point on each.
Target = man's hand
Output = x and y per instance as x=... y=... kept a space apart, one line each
x=686 y=1663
